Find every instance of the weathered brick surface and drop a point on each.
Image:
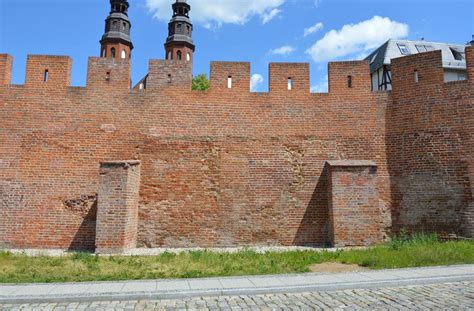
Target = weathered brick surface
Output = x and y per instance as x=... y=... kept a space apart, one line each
x=117 y=208
x=226 y=166
x=354 y=210
x=429 y=144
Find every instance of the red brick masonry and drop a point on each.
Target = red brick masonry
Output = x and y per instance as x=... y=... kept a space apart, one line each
x=354 y=210
x=117 y=215
x=227 y=167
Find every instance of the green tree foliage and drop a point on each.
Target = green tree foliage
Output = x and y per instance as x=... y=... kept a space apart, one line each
x=200 y=82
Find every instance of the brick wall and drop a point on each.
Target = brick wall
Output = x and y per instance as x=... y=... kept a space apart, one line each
x=117 y=210
x=354 y=210
x=429 y=126
x=224 y=167
x=108 y=75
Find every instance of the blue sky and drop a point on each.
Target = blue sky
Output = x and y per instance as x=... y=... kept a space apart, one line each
x=258 y=31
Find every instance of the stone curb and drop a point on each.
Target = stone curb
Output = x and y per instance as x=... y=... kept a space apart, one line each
x=179 y=294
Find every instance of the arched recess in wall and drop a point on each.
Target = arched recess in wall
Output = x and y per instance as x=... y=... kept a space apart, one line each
x=112 y=52
x=124 y=54
x=179 y=55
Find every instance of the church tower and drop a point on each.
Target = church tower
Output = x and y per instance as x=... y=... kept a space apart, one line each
x=116 y=42
x=179 y=44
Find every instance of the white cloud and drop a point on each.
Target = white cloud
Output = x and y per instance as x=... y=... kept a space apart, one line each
x=283 y=50
x=357 y=38
x=212 y=13
x=255 y=81
x=266 y=17
x=322 y=86
x=315 y=28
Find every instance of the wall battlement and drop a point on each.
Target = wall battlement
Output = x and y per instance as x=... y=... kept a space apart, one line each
x=54 y=72
x=228 y=167
x=290 y=79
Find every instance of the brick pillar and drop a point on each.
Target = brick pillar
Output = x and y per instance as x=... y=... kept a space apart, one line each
x=354 y=212
x=117 y=210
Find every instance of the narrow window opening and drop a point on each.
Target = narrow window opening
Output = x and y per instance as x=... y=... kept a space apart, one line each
x=112 y=52
x=290 y=84
x=188 y=57
x=229 y=82
x=141 y=86
x=179 y=27
x=124 y=54
x=124 y=26
x=169 y=78
x=107 y=76
x=46 y=75
x=417 y=77
x=180 y=55
x=170 y=55
x=349 y=81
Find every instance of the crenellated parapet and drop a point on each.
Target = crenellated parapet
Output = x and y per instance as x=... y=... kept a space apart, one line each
x=411 y=75
x=349 y=77
x=108 y=74
x=289 y=78
x=48 y=72
x=168 y=73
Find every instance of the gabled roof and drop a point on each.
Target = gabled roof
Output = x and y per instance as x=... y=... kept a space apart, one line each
x=393 y=49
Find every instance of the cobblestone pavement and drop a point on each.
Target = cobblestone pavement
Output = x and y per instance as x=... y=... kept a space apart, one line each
x=448 y=296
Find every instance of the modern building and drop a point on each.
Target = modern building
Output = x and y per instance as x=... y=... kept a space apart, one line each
x=454 y=60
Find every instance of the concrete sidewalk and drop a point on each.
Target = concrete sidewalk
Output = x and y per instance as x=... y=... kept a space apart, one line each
x=227 y=286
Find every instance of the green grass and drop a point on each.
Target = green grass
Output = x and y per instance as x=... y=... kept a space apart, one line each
x=400 y=252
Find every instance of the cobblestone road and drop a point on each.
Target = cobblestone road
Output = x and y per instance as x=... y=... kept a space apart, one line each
x=449 y=296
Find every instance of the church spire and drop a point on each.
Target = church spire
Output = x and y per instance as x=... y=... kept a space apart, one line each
x=116 y=42
x=179 y=44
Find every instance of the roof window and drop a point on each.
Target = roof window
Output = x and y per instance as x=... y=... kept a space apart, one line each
x=420 y=48
x=404 y=49
x=458 y=55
